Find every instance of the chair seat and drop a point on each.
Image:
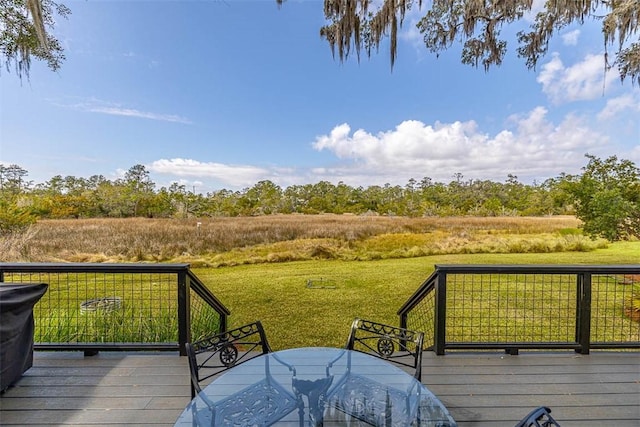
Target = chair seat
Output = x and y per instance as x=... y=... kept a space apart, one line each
x=262 y=403
x=218 y=352
x=372 y=402
x=363 y=398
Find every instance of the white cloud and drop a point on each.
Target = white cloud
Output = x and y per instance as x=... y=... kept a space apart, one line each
x=532 y=146
x=235 y=175
x=119 y=173
x=194 y=185
x=409 y=31
x=583 y=81
x=537 y=6
x=624 y=103
x=93 y=105
x=410 y=142
x=571 y=38
x=129 y=112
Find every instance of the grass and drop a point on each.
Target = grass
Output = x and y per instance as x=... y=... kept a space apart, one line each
x=295 y=315
x=259 y=267
x=220 y=242
x=146 y=311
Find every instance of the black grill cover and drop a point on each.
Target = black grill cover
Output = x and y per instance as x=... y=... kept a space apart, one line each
x=16 y=329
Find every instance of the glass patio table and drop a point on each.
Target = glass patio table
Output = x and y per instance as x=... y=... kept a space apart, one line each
x=316 y=386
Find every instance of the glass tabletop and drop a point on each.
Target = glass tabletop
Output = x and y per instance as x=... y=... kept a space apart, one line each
x=316 y=386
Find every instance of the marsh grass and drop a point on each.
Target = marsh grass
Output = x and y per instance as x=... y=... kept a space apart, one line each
x=126 y=325
x=137 y=322
x=110 y=308
x=219 y=242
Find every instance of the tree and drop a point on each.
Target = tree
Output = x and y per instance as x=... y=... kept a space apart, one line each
x=13 y=215
x=25 y=29
x=607 y=197
x=477 y=24
x=12 y=179
x=25 y=32
x=139 y=188
x=264 y=198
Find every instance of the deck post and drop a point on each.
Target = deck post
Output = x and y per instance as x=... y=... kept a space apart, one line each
x=440 y=314
x=184 y=314
x=583 y=313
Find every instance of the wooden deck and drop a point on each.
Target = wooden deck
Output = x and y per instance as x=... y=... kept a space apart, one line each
x=479 y=389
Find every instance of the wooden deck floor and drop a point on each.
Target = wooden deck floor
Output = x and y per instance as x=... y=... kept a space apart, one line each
x=479 y=389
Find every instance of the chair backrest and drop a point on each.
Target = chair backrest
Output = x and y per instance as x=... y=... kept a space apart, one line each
x=222 y=351
x=398 y=345
x=539 y=417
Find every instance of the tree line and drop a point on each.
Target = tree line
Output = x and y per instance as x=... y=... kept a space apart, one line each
x=606 y=197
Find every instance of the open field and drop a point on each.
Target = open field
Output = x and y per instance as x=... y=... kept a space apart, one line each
x=296 y=315
x=214 y=242
x=259 y=267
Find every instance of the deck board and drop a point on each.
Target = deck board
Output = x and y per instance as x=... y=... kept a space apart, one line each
x=479 y=389
x=498 y=389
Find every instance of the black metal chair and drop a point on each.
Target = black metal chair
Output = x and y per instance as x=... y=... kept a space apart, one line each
x=264 y=402
x=539 y=417
x=364 y=399
x=361 y=397
x=217 y=353
x=394 y=344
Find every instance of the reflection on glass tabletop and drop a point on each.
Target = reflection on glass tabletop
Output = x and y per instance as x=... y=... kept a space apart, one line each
x=316 y=386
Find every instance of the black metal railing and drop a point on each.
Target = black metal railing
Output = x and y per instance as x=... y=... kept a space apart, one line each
x=512 y=307
x=94 y=307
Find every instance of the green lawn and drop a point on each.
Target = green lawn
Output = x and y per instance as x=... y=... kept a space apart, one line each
x=295 y=315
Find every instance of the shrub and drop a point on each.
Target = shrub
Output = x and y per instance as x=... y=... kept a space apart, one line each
x=14 y=219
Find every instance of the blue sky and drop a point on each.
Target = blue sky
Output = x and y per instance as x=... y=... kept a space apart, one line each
x=223 y=94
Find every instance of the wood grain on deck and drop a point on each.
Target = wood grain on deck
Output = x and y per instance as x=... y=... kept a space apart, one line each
x=479 y=389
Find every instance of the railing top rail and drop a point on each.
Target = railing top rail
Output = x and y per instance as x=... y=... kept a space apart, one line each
x=422 y=290
x=204 y=293
x=429 y=284
x=539 y=268
x=44 y=267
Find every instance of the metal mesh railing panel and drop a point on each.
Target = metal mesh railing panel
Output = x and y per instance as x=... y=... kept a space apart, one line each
x=422 y=318
x=615 y=318
x=519 y=308
x=95 y=307
x=205 y=320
